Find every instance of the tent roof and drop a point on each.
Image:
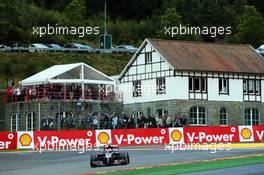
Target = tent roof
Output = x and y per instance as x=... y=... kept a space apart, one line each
x=68 y=73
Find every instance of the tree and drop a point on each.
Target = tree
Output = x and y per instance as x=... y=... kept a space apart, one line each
x=239 y=6
x=250 y=27
x=75 y=12
x=191 y=16
x=172 y=19
x=258 y=4
x=169 y=19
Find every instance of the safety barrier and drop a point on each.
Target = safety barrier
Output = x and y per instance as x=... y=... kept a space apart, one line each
x=76 y=139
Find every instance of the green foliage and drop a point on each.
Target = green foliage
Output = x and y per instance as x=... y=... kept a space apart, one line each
x=129 y=21
x=19 y=66
x=75 y=12
x=250 y=27
x=169 y=19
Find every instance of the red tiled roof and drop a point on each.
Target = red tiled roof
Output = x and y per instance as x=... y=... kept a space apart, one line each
x=197 y=56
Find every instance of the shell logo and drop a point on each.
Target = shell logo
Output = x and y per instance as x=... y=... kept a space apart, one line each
x=246 y=133
x=25 y=139
x=176 y=135
x=103 y=137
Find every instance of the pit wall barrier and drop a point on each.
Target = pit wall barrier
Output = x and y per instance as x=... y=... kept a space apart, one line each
x=129 y=137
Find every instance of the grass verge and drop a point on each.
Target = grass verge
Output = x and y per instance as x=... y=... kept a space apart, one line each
x=194 y=167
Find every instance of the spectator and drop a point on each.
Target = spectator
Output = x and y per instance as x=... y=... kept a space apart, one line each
x=159 y=122
x=142 y=120
x=71 y=91
x=178 y=121
x=33 y=93
x=82 y=122
x=106 y=121
x=114 y=121
x=124 y=120
x=164 y=117
x=89 y=93
x=47 y=123
x=152 y=122
x=16 y=93
x=8 y=93
x=119 y=122
x=131 y=122
x=89 y=121
x=95 y=122
x=168 y=121
x=51 y=124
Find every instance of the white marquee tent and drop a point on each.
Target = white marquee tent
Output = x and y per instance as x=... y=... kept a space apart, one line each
x=68 y=73
x=77 y=73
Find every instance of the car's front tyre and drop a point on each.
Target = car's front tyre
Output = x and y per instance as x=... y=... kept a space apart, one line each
x=93 y=159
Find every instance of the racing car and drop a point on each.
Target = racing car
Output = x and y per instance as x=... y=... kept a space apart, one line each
x=109 y=156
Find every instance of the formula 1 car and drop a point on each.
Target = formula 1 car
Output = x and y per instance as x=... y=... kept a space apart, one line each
x=109 y=156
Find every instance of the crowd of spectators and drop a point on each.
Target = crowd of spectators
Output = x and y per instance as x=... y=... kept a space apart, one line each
x=47 y=91
x=66 y=120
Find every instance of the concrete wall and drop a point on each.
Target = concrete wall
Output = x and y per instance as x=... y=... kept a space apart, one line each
x=235 y=110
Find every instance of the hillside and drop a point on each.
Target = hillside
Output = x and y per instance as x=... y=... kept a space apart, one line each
x=131 y=21
x=19 y=66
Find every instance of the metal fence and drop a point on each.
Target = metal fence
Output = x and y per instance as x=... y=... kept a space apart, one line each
x=81 y=115
x=57 y=114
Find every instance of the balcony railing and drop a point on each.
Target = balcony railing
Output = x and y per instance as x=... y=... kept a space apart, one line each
x=65 y=94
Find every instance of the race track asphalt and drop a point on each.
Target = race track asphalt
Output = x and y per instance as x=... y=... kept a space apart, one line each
x=74 y=163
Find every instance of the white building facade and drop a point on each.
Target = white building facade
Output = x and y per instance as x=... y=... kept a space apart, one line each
x=209 y=84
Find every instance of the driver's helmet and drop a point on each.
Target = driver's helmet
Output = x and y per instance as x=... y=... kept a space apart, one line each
x=108 y=148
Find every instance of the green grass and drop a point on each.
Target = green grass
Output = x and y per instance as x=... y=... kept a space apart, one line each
x=194 y=167
x=17 y=66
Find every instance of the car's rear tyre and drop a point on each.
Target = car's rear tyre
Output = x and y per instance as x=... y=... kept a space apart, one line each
x=123 y=158
x=92 y=160
x=127 y=158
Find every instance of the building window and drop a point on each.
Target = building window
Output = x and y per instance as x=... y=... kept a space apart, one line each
x=223 y=117
x=223 y=86
x=251 y=87
x=30 y=121
x=197 y=84
x=14 y=122
x=136 y=88
x=148 y=57
x=251 y=116
x=160 y=85
x=198 y=116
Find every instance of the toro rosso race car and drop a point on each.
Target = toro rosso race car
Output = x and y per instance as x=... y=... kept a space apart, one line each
x=109 y=156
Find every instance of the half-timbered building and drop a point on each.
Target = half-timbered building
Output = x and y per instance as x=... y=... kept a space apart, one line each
x=208 y=83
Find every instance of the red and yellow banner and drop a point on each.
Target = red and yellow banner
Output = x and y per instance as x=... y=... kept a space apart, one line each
x=85 y=139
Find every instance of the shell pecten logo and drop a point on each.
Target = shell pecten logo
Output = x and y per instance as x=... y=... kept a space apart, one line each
x=103 y=137
x=176 y=135
x=246 y=133
x=25 y=139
